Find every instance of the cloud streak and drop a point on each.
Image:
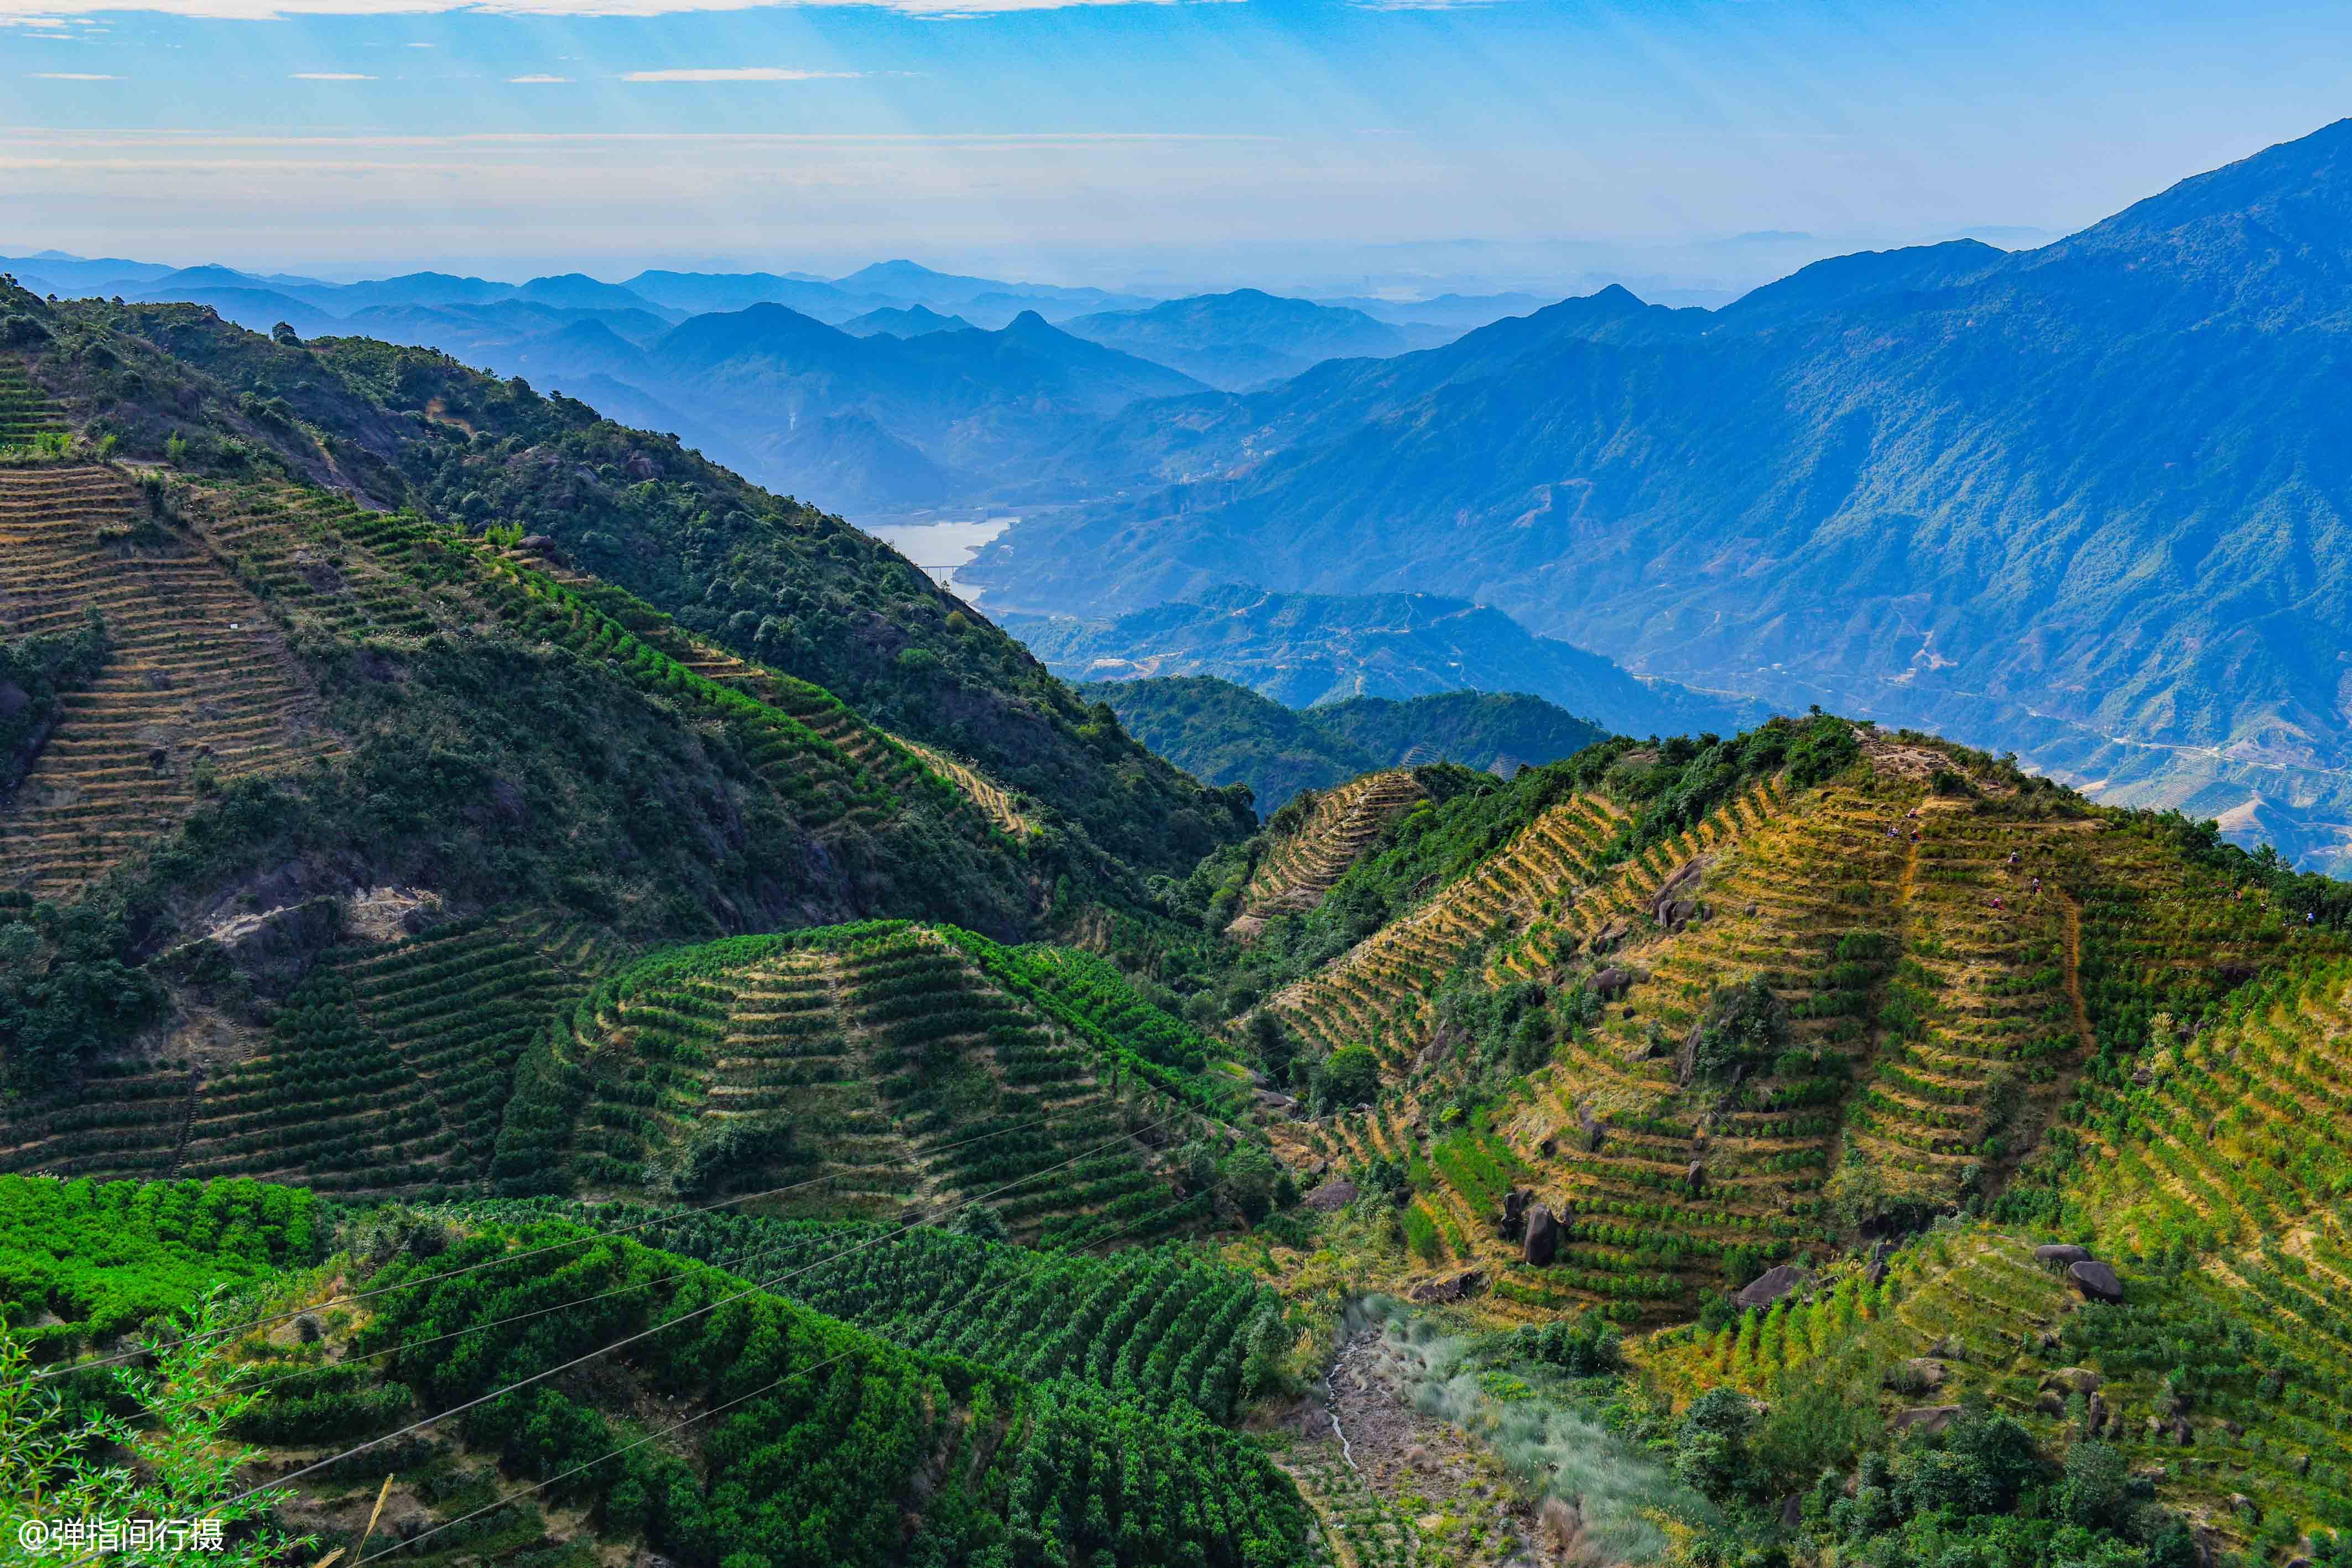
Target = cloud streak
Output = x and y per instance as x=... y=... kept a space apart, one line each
x=741 y=73
x=23 y=13
x=330 y=76
x=72 y=76
x=535 y=80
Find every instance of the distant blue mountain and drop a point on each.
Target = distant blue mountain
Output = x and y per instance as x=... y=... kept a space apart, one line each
x=2093 y=501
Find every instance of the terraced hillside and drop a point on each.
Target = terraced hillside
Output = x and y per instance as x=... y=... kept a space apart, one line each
x=771 y=579
x=1379 y=993
x=858 y=1071
x=1923 y=978
x=386 y=1073
x=853 y=1441
x=887 y=755
x=25 y=412
x=1302 y=865
x=198 y=689
x=354 y=573
x=2213 y=1172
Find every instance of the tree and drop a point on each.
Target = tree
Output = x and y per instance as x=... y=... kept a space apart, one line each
x=2097 y=1481
x=1248 y=1173
x=1351 y=1076
x=1711 y=1448
x=1744 y=1024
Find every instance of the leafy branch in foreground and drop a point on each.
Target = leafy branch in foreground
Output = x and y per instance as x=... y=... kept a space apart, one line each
x=176 y=1465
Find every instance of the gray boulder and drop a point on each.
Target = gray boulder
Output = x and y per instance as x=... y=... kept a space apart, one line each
x=2073 y=1380
x=2096 y=1280
x=1543 y=1236
x=2061 y=1252
x=1929 y=1418
x=1774 y=1283
x=1435 y=1292
x=1331 y=1196
x=1514 y=1221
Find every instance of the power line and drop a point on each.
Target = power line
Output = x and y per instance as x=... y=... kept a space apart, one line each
x=236 y=1330
x=647 y=1333
x=701 y=1415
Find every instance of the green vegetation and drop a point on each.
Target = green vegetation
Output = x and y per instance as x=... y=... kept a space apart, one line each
x=81 y=1262
x=808 y=1434
x=1228 y=735
x=35 y=674
x=1148 y=1326
x=64 y=988
x=165 y=1437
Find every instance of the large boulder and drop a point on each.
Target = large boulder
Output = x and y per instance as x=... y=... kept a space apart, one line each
x=1784 y=1280
x=1543 y=1236
x=1929 y=1418
x=1433 y=1293
x=2073 y=1380
x=2059 y=1252
x=1513 y=1222
x=1920 y=1375
x=1331 y=1196
x=1611 y=983
x=2096 y=1280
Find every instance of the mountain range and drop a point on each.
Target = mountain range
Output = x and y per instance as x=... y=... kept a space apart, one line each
x=1249 y=337
x=1303 y=650
x=751 y=367
x=2088 y=501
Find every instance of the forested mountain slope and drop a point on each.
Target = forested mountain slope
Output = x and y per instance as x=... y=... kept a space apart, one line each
x=1226 y=734
x=2085 y=502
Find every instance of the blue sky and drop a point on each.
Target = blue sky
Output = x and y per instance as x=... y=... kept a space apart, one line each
x=1299 y=142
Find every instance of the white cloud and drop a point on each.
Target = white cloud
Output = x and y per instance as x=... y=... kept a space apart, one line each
x=330 y=75
x=741 y=73
x=18 y=12
x=72 y=76
x=535 y=80
x=32 y=22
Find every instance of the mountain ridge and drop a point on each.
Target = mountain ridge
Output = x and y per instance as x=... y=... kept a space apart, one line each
x=2044 y=486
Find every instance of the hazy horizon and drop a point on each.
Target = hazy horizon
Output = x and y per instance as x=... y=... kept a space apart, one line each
x=1322 y=147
